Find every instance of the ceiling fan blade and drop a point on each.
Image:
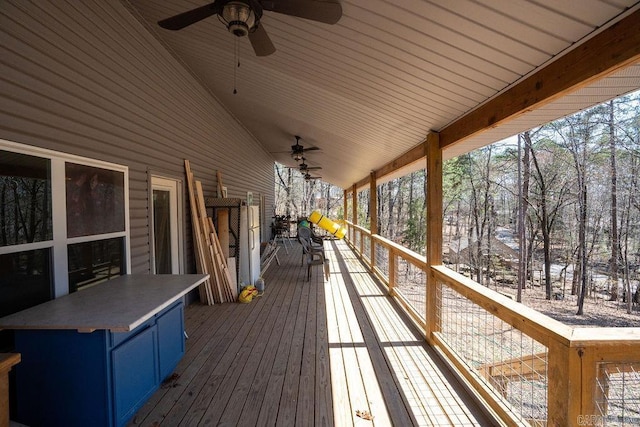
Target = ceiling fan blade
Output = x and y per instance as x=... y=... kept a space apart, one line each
x=311 y=168
x=261 y=42
x=189 y=17
x=327 y=11
x=311 y=149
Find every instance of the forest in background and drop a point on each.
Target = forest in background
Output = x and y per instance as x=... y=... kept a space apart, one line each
x=297 y=196
x=556 y=208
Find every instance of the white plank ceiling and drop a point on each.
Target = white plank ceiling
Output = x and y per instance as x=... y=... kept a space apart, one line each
x=370 y=87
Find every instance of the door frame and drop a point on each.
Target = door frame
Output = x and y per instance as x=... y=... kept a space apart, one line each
x=174 y=187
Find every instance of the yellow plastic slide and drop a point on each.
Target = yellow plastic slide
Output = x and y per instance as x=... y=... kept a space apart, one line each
x=326 y=224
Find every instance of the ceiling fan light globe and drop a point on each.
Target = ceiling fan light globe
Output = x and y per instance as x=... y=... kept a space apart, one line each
x=238 y=28
x=238 y=17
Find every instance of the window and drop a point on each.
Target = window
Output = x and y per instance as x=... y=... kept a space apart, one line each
x=63 y=224
x=25 y=280
x=94 y=262
x=25 y=199
x=25 y=231
x=95 y=200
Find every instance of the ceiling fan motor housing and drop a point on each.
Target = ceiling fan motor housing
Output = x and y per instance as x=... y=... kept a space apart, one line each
x=239 y=17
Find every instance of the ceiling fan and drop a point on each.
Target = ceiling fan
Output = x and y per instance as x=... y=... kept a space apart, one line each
x=297 y=150
x=242 y=17
x=308 y=177
x=305 y=167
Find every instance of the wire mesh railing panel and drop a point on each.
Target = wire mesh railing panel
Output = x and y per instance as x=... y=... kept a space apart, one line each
x=411 y=283
x=366 y=246
x=382 y=259
x=512 y=364
x=618 y=394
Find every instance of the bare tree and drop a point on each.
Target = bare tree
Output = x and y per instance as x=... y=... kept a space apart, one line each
x=480 y=212
x=524 y=173
x=552 y=190
x=613 y=234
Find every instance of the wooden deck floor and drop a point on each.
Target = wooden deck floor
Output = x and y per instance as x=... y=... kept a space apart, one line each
x=309 y=353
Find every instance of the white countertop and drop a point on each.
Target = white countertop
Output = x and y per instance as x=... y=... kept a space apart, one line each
x=119 y=305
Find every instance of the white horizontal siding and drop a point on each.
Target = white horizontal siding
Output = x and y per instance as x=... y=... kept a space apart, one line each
x=87 y=78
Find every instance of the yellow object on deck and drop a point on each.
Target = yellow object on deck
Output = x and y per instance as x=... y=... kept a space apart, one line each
x=326 y=224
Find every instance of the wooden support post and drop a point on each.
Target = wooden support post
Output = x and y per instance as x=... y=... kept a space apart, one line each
x=434 y=231
x=345 y=204
x=573 y=373
x=563 y=392
x=373 y=212
x=354 y=209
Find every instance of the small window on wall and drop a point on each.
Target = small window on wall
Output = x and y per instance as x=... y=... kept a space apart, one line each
x=95 y=200
x=94 y=262
x=25 y=199
x=25 y=280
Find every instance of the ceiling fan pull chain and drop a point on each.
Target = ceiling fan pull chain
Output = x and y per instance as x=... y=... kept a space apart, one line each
x=236 y=65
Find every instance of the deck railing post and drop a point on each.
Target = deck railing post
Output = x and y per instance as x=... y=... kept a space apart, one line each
x=354 y=205
x=434 y=233
x=564 y=391
x=345 y=207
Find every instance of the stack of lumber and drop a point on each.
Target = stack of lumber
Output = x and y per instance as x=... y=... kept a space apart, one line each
x=209 y=256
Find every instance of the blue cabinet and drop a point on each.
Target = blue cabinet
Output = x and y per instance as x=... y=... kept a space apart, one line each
x=101 y=378
x=65 y=378
x=170 y=339
x=135 y=373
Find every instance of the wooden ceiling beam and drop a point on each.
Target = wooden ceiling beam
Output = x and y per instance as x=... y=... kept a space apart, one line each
x=605 y=53
x=608 y=51
x=416 y=153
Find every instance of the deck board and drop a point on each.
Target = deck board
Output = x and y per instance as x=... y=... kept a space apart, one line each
x=309 y=353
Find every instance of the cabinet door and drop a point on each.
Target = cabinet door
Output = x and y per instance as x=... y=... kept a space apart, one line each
x=170 y=339
x=135 y=373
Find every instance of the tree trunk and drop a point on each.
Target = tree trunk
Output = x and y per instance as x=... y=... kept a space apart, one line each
x=583 y=247
x=627 y=229
x=487 y=216
x=545 y=225
x=613 y=235
x=523 y=190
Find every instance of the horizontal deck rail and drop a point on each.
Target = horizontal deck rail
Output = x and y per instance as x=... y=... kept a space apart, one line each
x=528 y=367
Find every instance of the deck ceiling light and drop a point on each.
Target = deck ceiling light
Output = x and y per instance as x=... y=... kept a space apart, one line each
x=239 y=18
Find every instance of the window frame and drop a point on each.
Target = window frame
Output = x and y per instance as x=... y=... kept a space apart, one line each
x=60 y=241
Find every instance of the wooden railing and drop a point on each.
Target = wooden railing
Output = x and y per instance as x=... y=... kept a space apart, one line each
x=575 y=368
